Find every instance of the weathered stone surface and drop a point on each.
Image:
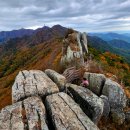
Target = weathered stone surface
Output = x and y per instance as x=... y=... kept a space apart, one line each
x=33 y=82
x=74 y=47
x=35 y=113
x=66 y=114
x=91 y=104
x=59 y=79
x=118 y=116
x=11 y=117
x=127 y=116
x=115 y=94
x=106 y=109
x=84 y=42
x=96 y=82
x=78 y=37
x=25 y=115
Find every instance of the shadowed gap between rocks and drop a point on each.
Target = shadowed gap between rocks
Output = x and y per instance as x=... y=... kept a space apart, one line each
x=10 y=121
x=102 y=85
x=88 y=110
x=48 y=117
x=39 y=121
x=24 y=118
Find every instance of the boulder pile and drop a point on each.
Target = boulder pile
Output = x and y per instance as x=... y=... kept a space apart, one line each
x=41 y=102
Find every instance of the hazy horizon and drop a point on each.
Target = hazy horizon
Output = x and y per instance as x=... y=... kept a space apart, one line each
x=114 y=31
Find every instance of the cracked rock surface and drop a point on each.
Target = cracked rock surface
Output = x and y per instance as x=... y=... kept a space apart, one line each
x=89 y=102
x=38 y=104
x=29 y=114
x=66 y=114
x=115 y=94
x=33 y=82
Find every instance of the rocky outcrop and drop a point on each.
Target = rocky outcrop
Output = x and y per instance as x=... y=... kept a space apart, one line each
x=66 y=114
x=59 y=79
x=96 y=82
x=101 y=85
x=84 y=43
x=74 y=47
x=112 y=94
x=29 y=114
x=38 y=104
x=89 y=102
x=115 y=94
x=33 y=82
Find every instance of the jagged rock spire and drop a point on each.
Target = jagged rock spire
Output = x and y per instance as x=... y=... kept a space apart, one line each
x=74 y=47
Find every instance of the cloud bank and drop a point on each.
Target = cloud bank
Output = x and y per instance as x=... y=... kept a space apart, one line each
x=83 y=15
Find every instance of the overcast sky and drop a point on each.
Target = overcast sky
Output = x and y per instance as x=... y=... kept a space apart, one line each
x=83 y=15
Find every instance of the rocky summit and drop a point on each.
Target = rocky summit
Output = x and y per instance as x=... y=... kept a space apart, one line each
x=41 y=102
x=48 y=100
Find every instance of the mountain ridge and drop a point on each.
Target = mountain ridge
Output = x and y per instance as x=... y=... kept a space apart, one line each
x=31 y=53
x=111 y=36
x=7 y=35
x=120 y=44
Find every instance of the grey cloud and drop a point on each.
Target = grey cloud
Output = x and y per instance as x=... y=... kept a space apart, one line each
x=84 y=15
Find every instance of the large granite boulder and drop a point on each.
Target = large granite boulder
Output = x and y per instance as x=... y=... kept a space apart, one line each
x=117 y=116
x=106 y=109
x=115 y=94
x=96 y=82
x=59 y=79
x=66 y=114
x=33 y=82
x=25 y=115
x=91 y=104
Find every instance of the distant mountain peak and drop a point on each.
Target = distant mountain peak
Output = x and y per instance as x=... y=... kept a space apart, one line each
x=5 y=35
x=57 y=25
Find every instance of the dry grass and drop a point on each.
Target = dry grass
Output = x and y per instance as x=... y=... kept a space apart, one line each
x=93 y=67
x=109 y=125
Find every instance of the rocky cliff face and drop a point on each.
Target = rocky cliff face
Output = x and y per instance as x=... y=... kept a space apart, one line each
x=40 y=103
x=74 y=47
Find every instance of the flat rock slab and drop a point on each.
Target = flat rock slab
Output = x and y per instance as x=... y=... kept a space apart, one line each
x=59 y=79
x=96 y=82
x=30 y=83
x=25 y=115
x=91 y=104
x=66 y=114
x=115 y=94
